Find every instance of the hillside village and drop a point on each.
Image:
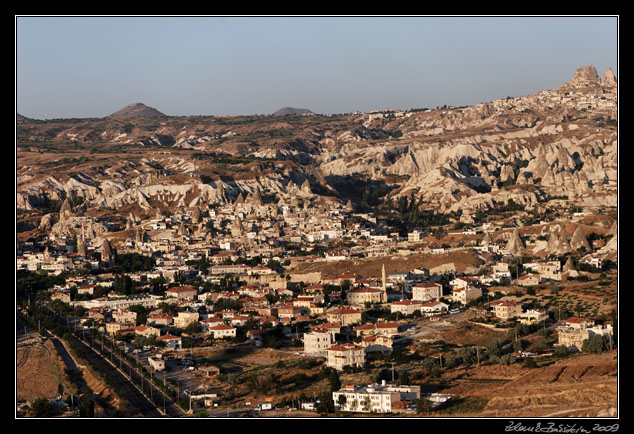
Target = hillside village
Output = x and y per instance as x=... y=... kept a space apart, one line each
x=350 y=290
x=226 y=276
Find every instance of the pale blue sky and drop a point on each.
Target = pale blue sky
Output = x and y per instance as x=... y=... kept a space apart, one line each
x=93 y=66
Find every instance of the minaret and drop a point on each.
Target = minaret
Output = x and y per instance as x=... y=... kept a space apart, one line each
x=384 y=285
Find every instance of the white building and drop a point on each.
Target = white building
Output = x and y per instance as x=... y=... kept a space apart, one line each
x=318 y=340
x=426 y=291
x=373 y=398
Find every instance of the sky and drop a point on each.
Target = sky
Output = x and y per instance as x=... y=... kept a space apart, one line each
x=92 y=66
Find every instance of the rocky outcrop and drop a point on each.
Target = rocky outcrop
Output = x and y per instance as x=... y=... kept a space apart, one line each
x=467 y=158
x=579 y=240
x=585 y=76
x=515 y=245
x=88 y=227
x=558 y=242
x=608 y=80
x=47 y=222
x=107 y=254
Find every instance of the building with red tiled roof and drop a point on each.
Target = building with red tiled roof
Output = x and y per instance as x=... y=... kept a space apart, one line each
x=146 y=331
x=340 y=356
x=160 y=319
x=380 y=328
x=427 y=291
x=506 y=309
x=222 y=331
x=405 y=307
x=433 y=306
x=171 y=341
x=344 y=316
x=182 y=292
x=365 y=294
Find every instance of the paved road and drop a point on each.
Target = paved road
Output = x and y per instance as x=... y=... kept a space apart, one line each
x=144 y=405
x=133 y=382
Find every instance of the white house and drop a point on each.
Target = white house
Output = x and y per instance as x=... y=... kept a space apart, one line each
x=222 y=331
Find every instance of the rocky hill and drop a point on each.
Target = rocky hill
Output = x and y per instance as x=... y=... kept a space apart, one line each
x=292 y=111
x=556 y=143
x=137 y=110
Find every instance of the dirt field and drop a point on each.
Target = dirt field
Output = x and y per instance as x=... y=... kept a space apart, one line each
x=39 y=370
x=372 y=266
x=581 y=386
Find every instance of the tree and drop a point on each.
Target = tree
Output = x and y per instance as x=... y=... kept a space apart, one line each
x=468 y=355
x=335 y=382
x=384 y=374
x=403 y=379
x=495 y=348
x=325 y=404
x=141 y=313
x=341 y=400
x=423 y=405
x=595 y=344
x=123 y=284
x=86 y=404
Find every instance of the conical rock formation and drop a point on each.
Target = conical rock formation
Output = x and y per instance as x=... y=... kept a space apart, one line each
x=515 y=245
x=579 y=240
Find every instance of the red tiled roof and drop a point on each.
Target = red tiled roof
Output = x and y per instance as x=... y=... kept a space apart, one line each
x=169 y=338
x=182 y=289
x=383 y=325
x=221 y=327
x=344 y=311
x=345 y=347
x=577 y=320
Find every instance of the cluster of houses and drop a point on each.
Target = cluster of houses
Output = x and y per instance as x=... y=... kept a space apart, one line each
x=228 y=238
x=230 y=235
x=331 y=313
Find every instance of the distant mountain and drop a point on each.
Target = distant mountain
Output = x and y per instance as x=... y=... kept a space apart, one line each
x=291 y=111
x=137 y=110
x=20 y=118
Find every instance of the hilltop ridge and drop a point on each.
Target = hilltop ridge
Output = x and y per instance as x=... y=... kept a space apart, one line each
x=555 y=143
x=292 y=111
x=136 y=110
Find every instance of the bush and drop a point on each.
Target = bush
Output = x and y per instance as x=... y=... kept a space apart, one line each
x=561 y=351
x=530 y=363
x=42 y=407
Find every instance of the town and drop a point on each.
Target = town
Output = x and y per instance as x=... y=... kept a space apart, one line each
x=183 y=294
